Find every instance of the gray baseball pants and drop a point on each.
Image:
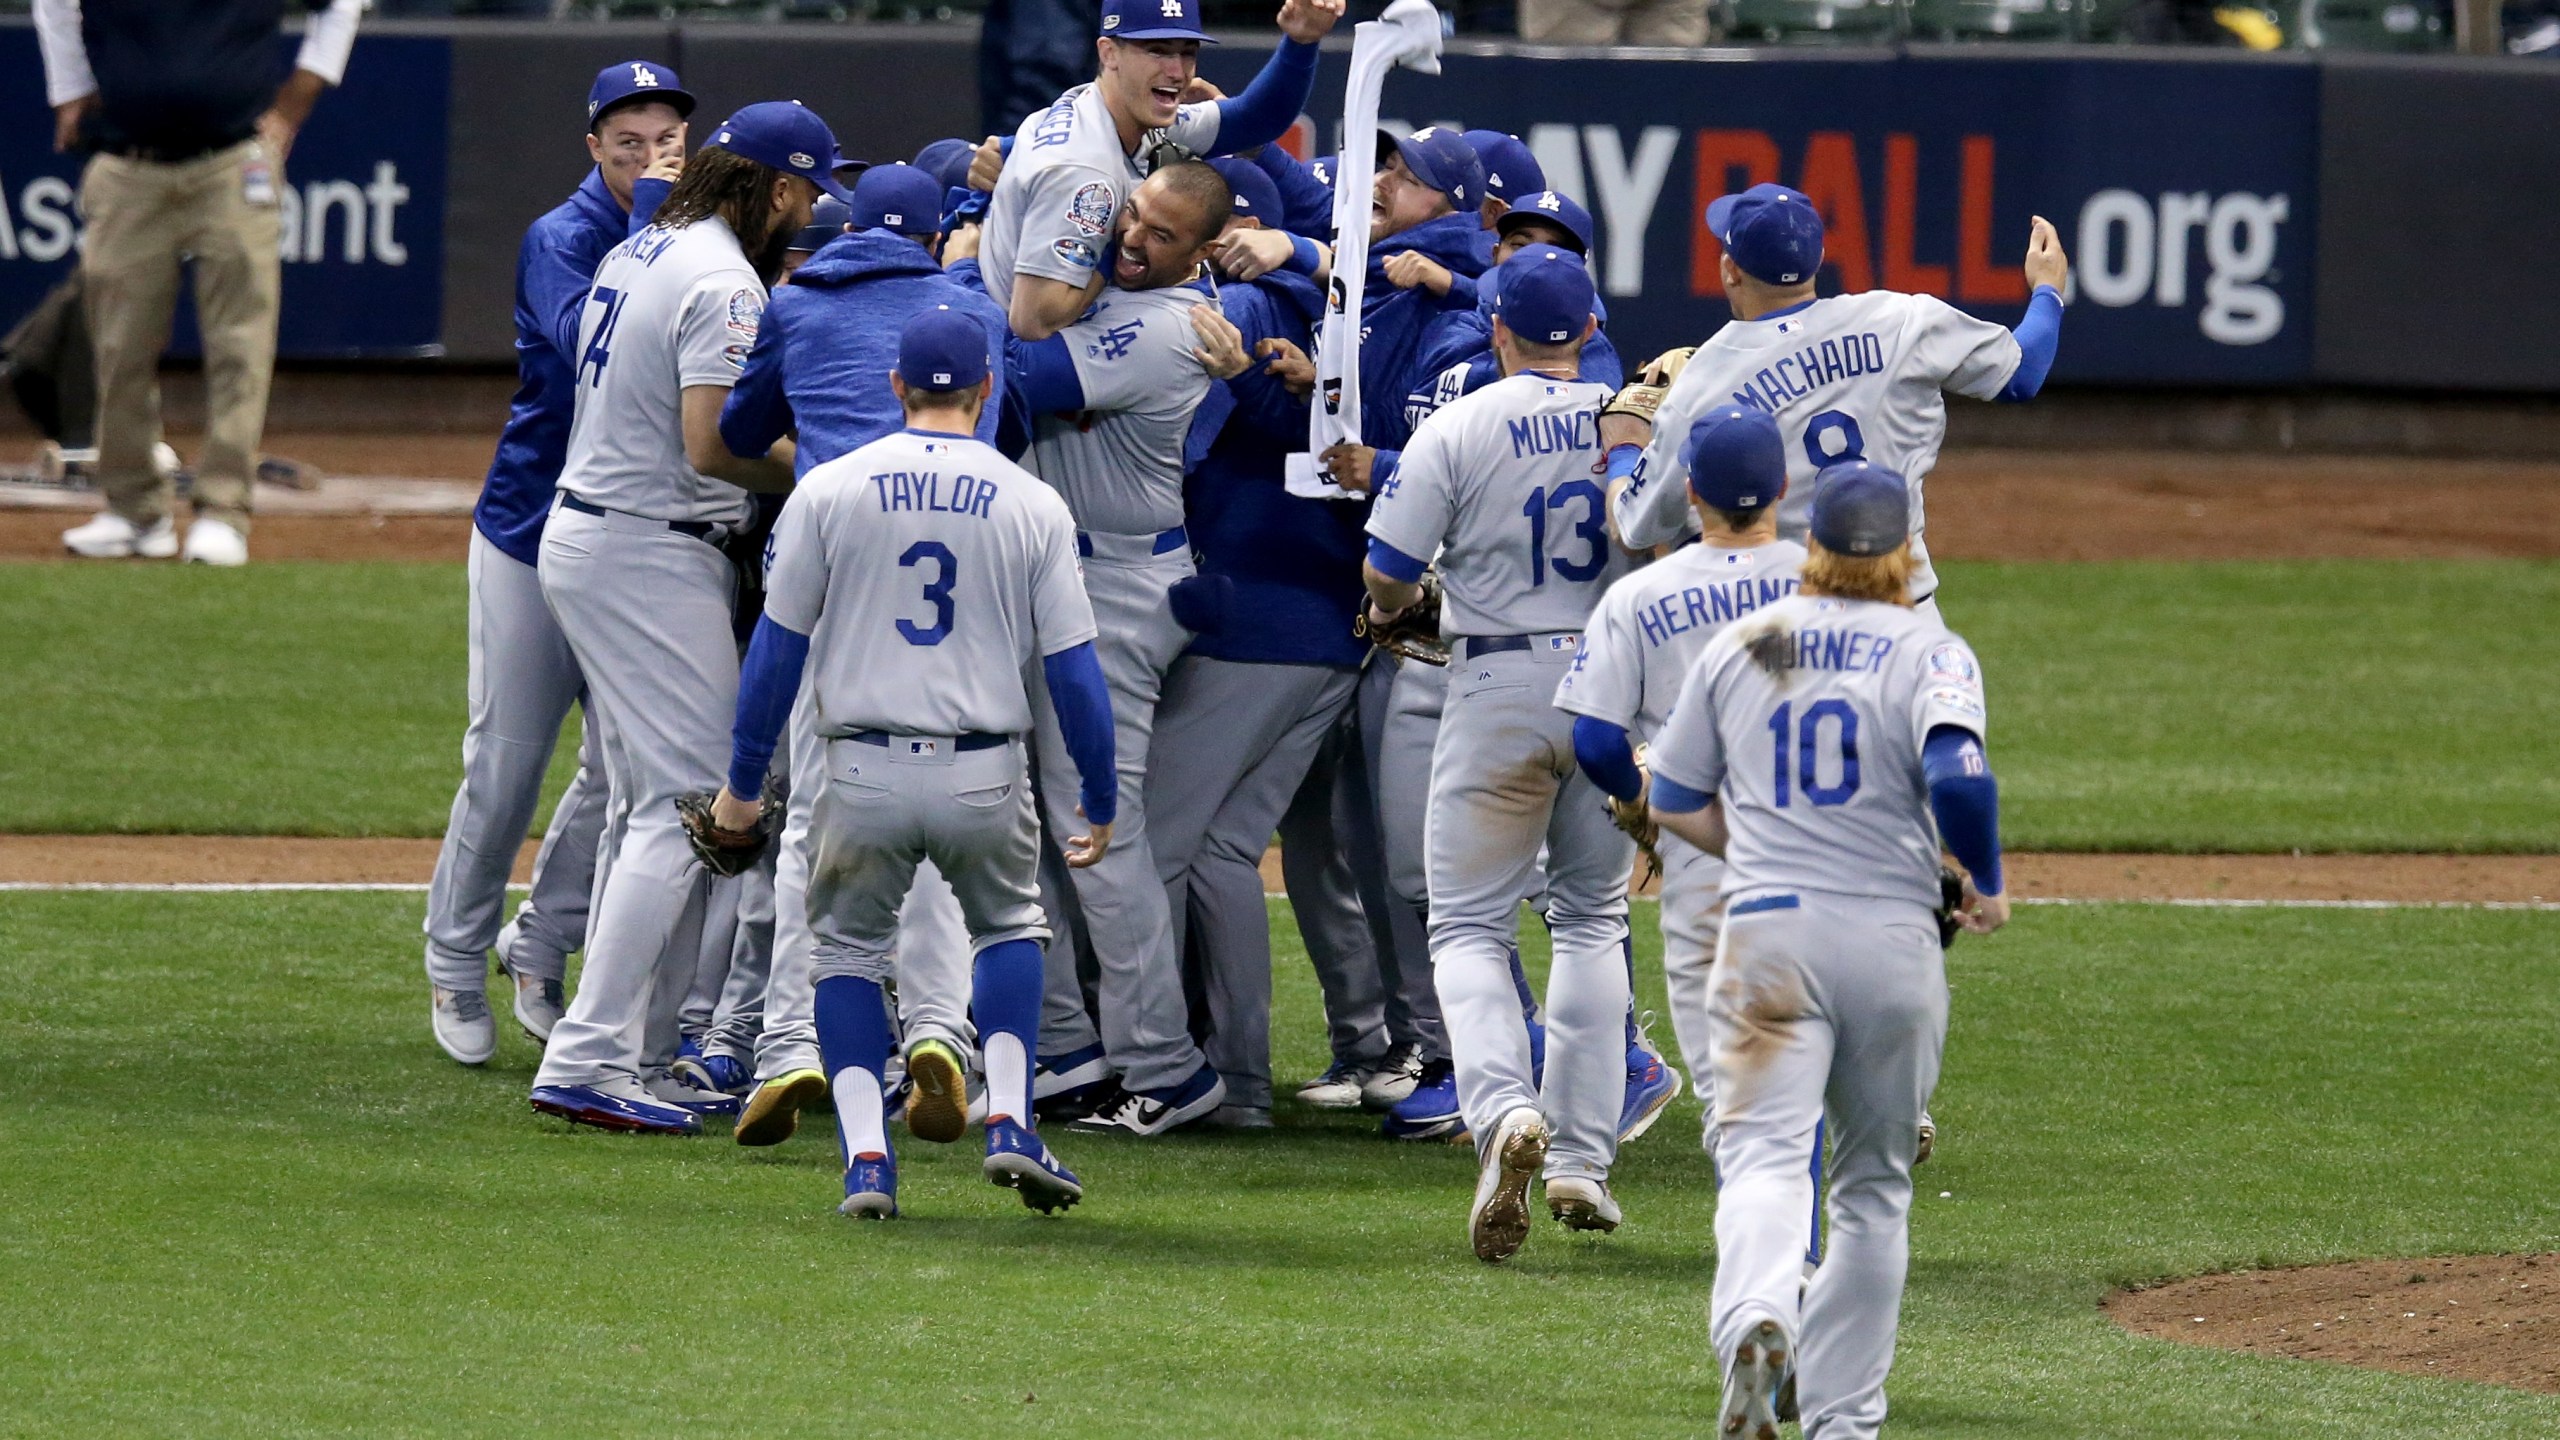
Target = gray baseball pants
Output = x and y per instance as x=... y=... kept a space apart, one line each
x=1504 y=781
x=1692 y=919
x=1399 y=724
x=523 y=679
x=1822 y=1003
x=1329 y=857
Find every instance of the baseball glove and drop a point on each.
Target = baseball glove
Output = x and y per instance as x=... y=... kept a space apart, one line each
x=1641 y=397
x=1414 y=634
x=1636 y=818
x=726 y=852
x=1950 y=904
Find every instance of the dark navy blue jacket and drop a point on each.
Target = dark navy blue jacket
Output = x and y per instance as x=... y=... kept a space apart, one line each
x=1462 y=362
x=553 y=273
x=828 y=341
x=1282 y=572
x=1404 y=326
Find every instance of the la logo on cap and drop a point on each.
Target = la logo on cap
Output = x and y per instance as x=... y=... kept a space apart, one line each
x=642 y=75
x=1550 y=202
x=1172 y=9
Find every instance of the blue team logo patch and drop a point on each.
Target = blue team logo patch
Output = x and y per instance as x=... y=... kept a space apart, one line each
x=1079 y=253
x=1090 y=210
x=1953 y=663
x=1115 y=342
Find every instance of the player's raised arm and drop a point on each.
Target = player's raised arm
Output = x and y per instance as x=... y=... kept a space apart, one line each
x=2040 y=333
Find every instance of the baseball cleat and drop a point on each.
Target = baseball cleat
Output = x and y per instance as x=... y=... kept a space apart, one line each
x=539 y=1005
x=1239 y=1117
x=1651 y=1087
x=1394 y=1079
x=1431 y=1111
x=1498 y=1222
x=1760 y=1369
x=871 y=1188
x=721 y=1074
x=773 y=1112
x=939 y=1109
x=1928 y=1141
x=672 y=1089
x=113 y=537
x=1338 y=1088
x=1579 y=1202
x=460 y=1019
x=1018 y=1160
x=1070 y=1086
x=216 y=542
x=614 y=1105
x=1153 y=1112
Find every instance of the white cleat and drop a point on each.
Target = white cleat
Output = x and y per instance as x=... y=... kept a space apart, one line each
x=1338 y=1088
x=1498 y=1223
x=1759 y=1369
x=113 y=537
x=462 y=1024
x=1581 y=1203
x=539 y=1005
x=1395 y=1078
x=215 y=542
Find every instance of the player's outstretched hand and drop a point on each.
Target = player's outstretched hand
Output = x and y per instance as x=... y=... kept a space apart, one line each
x=1251 y=254
x=1084 y=850
x=1348 y=466
x=1288 y=364
x=668 y=163
x=2046 y=264
x=1409 y=268
x=1221 y=350
x=986 y=164
x=1308 y=21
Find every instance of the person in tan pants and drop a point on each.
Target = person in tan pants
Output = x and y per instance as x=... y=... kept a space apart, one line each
x=178 y=101
x=1614 y=22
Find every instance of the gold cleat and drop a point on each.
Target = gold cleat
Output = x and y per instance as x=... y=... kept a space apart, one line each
x=939 y=1108
x=773 y=1112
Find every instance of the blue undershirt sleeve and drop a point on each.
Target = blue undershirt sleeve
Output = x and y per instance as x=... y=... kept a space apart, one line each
x=1604 y=753
x=646 y=196
x=767 y=684
x=1393 y=563
x=1304 y=257
x=1043 y=372
x=1382 y=469
x=2039 y=336
x=1270 y=105
x=1306 y=203
x=1623 y=460
x=1083 y=703
x=1966 y=800
x=1672 y=797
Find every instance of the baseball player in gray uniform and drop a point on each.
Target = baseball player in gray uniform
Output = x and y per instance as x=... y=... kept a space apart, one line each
x=632 y=566
x=1500 y=487
x=1113 y=395
x=1637 y=650
x=916 y=580
x=1812 y=746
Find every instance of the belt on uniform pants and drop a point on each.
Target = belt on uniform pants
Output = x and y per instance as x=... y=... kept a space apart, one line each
x=702 y=530
x=169 y=154
x=1479 y=646
x=1765 y=902
x=974 y=740
x=1164 y=541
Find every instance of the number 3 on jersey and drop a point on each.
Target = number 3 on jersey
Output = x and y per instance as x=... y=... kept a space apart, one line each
x=937 y=591
x=599 y=347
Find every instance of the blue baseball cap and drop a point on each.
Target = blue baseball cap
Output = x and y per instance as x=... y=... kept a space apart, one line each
x=897 y=197
x=1153 y=20
x=786 y=136
x=1546 y=295
x=947 y=161
x=1440 y=159
x=1736 y=460
x=1552 y=207
x=1772 y=232
x=1256 y=196
x=636 y=80
x=826 y=222
x=1860 y=509
x=942 y=349
x=1509 y=169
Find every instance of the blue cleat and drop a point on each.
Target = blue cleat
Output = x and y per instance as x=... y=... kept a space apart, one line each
x=1018 y=1160
x=1431 y=1111
x=1651 y=1087
x=1153 y=1112
x=1068 y=1087
x=624 y=1106
x=871 y=1188
x=723 y=1073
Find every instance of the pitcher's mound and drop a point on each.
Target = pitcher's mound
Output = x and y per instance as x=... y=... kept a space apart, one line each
x=2494 y=1318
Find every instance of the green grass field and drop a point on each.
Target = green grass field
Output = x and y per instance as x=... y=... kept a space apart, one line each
x=251 y=1199
x=2320 y=706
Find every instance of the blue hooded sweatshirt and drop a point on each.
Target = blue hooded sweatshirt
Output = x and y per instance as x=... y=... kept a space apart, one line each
x=828 y=341
x=1462 y=361
x=554 y=270
x=1279 y=575
x=1404 y=326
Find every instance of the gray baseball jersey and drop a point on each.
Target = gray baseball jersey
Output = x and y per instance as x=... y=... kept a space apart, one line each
x=670 y=308
x=929 y=572
x=1119 y=460
x=1649 y=628
x=1062 y=187
x=1818 y=767
x=1500 y=486
x=1850 y=377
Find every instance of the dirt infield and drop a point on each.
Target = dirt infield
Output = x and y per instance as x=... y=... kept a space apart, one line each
x=1984 y=505
x=2493 y=1318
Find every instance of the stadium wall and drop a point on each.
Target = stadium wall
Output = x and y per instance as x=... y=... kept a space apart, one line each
x=2236 y=222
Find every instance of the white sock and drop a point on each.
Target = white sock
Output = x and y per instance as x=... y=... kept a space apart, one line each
x=1008 y=1079
x=858 y=1118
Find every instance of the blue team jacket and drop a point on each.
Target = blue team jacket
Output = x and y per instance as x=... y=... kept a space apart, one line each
x=828 y=341
x=1468 y=341
x=1282 y=571
x=553 y=272
x=1404 y=326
